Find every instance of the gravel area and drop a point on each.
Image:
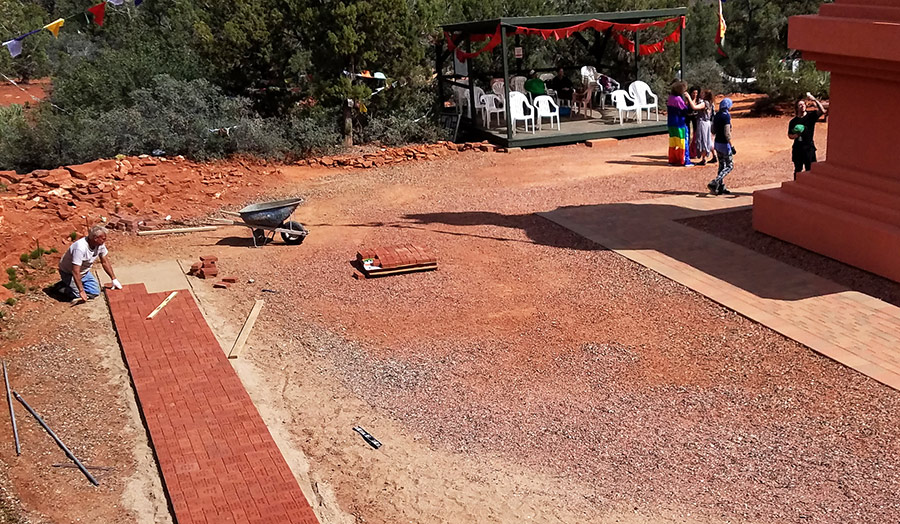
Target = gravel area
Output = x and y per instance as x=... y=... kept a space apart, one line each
x=737 y=227
x=562 y=360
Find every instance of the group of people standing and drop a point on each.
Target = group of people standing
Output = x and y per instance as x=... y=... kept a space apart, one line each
x=696 y=130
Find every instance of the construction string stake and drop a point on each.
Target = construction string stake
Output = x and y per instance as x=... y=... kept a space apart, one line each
x=55 y=438
x=12 y=412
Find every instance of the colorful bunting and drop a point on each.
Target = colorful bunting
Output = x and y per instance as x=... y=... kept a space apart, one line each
x=53 y=27
x=99 y=12
x=565 y=32
x=14 y=47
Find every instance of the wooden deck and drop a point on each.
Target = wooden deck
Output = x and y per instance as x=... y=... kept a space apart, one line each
x=577 y=128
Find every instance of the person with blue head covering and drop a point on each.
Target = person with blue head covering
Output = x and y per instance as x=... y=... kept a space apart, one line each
x=724 y=149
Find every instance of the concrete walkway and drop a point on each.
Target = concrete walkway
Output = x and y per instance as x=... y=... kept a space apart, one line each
x=852 y=328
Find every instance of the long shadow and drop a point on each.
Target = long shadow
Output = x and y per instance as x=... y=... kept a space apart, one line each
x=639 y=162
x=641 y=217
x=703 y=194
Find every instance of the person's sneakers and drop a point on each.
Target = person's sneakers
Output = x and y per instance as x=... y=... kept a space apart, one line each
x=713 y=187
x=723 y=190
x=702 y=162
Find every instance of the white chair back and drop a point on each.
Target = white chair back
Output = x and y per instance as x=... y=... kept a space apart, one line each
x=638 y=90
x=620 y=100
x=589 y=74
x=518 y=83
x=492 y=102
x=518 y=104
x=497 y=86
x=479 y=95
x=545 y=105
x=546 y=77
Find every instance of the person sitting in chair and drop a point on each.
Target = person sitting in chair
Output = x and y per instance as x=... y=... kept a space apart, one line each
x=535 y=85
x=562 y=85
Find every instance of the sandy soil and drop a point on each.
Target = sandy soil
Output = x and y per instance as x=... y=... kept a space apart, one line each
x=534 y=377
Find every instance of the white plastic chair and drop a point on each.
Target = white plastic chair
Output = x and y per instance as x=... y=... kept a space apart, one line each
x=621 y=100
x=479 y=99
x=585 y=100
x=644 y=98
x=492 y=104
x=546 y=108
x=461 y=95
x=520 y=109
x=517 y=83
x=498 y=87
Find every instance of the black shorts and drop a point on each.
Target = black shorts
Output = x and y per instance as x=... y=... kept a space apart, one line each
x=803 y=159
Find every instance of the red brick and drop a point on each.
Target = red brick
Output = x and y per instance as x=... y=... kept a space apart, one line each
x=222 y=285
x=230 y=280
x=209 y=258
x=208 y=272
x=195 y=267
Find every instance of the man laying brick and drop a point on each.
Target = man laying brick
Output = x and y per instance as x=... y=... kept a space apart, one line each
x=78 y=283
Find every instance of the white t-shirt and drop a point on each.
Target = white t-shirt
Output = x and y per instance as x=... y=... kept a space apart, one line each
x=81 y=254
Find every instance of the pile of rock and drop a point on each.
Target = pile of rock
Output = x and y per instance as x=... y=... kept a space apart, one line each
x=397 y=155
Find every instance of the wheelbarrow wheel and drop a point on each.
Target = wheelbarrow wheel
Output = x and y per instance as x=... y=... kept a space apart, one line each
x=291 y=238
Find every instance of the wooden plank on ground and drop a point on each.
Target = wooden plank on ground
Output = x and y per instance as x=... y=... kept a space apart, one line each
x=179 y=230
x=397 y=271
x=162 y=305
x=245 y=331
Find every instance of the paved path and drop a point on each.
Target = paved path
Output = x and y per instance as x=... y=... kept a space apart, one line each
x=219 y=462
x=855 y=329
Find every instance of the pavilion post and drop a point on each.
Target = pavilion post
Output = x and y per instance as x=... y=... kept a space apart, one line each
x=504 y=45
x=471 y=78
x=637 y=55
x=683 y=53
x=439 y=68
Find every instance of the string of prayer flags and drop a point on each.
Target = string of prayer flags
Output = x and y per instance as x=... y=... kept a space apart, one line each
x=98 y=11
x=53 y=27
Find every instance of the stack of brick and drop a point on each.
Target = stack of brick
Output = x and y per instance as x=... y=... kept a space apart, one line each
x=396 y=259
x=208 y=268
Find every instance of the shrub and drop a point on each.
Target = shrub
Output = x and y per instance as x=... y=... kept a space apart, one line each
x=706 y=74
x=73 y=235
x=11 y=301
x=782 y=84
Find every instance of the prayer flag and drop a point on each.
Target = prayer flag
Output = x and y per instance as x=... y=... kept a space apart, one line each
x=99 y=11
x=117 y=2
x=53 y=27
x=14 y=47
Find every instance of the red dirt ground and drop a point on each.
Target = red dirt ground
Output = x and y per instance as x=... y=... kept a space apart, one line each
x=534 y=376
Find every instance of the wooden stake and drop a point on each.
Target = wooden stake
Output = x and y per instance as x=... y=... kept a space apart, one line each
x=245 y=331
x=180 y=230
x=162 y=305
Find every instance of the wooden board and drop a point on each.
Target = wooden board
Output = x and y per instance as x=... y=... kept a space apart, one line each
x=399 y=270
x=245 y=331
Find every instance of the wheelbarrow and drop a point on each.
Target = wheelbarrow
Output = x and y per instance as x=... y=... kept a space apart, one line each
x=268 y=219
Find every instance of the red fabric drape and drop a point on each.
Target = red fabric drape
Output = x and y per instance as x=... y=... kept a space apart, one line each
x=565 y=32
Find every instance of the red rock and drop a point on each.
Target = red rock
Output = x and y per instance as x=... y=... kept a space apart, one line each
x=10 y=177
x=95 y=169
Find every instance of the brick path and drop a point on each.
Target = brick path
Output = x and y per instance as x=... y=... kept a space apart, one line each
x=219 y=462
x=855 y=329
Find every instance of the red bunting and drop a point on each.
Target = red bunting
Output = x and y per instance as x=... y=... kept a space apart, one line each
x=565 y=32
x=99 y=11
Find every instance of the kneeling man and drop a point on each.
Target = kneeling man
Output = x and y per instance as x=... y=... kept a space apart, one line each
x=75 y=267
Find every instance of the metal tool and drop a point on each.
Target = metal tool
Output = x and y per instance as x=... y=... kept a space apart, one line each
x=59 y=442
x=12 y=412
x=368 y=437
